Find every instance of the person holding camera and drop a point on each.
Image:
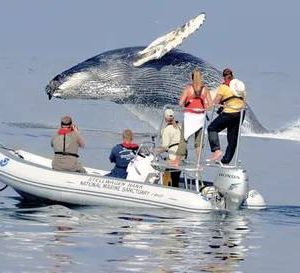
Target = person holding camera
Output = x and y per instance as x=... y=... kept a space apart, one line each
x=66 y=144
x=231 y=95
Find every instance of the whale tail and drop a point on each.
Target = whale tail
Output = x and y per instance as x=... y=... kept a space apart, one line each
x=167 y=42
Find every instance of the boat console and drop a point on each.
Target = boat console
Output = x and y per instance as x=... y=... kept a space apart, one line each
x=229 y=183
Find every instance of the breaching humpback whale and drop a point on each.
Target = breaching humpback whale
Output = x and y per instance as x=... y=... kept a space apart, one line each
x=145 y=76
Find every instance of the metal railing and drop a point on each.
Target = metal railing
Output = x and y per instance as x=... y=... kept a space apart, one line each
x=210 y=114
x=204 y=144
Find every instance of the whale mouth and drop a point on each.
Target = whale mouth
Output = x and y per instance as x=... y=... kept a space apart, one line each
x=53 y=92
x=57 y=95
x=52 y=89
x=49 y=91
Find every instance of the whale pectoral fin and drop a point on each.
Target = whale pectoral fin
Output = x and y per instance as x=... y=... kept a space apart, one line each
x=167 y=42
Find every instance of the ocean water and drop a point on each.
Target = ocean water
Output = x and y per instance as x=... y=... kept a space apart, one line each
x=83 y=239
x=39 y=238
x=55 y=238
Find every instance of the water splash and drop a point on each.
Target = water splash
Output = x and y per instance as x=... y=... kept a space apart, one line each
x=290 y=132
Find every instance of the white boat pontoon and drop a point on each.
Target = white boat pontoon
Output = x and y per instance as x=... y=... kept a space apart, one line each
x=33 y=178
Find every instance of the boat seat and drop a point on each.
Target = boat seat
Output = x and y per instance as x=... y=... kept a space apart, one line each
x=141 y=170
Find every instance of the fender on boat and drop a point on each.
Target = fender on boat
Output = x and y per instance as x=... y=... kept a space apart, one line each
x=254 y=200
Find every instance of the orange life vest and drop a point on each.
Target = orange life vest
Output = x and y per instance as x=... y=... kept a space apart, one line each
x=193 y=103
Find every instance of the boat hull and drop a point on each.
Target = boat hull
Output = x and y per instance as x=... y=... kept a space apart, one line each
x=89 y=189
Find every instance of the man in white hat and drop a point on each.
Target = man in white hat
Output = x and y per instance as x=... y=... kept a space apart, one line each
x=170 y=138
x=170 y=135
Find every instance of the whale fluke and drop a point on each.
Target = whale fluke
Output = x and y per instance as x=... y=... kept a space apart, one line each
x=165 y=43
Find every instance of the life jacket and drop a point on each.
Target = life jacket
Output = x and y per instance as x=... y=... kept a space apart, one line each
x=64 y=132
x=194 y=102
x=222 y=102
x=227 y=82
x=123 y=153
x=231 y=97
x=130 y=146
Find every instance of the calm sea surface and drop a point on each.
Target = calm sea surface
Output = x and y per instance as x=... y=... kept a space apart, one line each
x=100 y=239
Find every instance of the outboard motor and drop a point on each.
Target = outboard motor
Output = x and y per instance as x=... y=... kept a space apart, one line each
x=232 y=183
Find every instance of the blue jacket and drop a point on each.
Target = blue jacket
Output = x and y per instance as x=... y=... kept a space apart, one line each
x=121 y=156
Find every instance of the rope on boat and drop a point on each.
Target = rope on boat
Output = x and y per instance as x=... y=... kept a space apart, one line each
x=12 y=150
x=3 y=188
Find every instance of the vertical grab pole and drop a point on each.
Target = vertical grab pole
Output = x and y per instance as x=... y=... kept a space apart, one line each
x=239 y=135
x=201 y=140
x=158 y=139
x=198 y=175
x=206 y=140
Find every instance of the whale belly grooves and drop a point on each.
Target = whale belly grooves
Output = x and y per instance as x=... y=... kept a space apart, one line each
x=111 y=76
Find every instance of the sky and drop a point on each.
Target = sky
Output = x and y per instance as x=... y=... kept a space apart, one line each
x=234 y=29
x=257 y=39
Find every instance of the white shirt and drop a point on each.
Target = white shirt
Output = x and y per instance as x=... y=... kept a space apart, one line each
x=171 y=135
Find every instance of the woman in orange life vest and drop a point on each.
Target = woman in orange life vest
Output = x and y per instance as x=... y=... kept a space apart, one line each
x=195 y=98
x=231 y=94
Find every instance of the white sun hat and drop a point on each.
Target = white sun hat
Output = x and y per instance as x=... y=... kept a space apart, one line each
x=237 y=86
